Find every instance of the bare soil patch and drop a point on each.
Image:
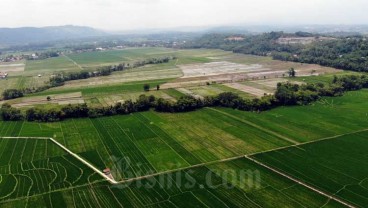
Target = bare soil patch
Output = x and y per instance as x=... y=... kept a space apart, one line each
x=216 y=68
x=188 y=92
x=60 y=99
x=248 y=89
x=6 y=68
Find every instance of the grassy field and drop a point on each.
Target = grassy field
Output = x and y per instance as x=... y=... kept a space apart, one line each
x=51 y=65
x=318 y=120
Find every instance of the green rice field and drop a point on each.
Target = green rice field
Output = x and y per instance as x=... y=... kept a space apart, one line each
x=152 y=149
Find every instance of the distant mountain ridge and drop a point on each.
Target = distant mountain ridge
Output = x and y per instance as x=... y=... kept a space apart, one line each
x=24 y=35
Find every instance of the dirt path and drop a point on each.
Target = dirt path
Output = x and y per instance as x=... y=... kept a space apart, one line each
x=75 y=63
x=112 y=181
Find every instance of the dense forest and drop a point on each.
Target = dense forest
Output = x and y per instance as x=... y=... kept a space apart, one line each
x=286 y=94
x=349 y=53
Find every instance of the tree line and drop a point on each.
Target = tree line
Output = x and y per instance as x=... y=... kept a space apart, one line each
x=348 y=53
x=286 y=94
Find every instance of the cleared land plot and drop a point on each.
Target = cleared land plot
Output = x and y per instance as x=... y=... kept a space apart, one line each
x=60 y=99
x=248 y=89
x=189 y=93
x=337 y=166
x=139 y=74
x=262 y=86
x=100 y=58
x=270 y=84
x=325 y=118
x=213 y=90
x=12 y=67
x=216 y=68
x=275 y=65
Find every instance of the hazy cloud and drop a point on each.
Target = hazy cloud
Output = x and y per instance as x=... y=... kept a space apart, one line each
x=133 y=14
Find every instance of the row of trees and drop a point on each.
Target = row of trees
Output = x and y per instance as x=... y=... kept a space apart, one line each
x=286 y=94
x=12 y=94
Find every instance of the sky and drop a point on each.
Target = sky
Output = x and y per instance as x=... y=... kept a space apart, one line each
x=145 y=14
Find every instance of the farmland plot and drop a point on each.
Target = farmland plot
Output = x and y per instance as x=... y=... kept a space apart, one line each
x=197 y=187
x=337 y=166
x=319 y=120
x=216 y=68
x=248 y=89
x=211 y=136
x=12 y=67
x=31 y=167
x=37 y=173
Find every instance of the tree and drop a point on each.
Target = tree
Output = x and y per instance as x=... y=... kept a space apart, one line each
x=9 y=113
x=12 y=94
x=146 y=87
x=292 y=72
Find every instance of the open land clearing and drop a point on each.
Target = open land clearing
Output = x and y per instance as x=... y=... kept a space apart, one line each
x=248 y=89
x=216 y=68
x=60 y=99
x=310 y=138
